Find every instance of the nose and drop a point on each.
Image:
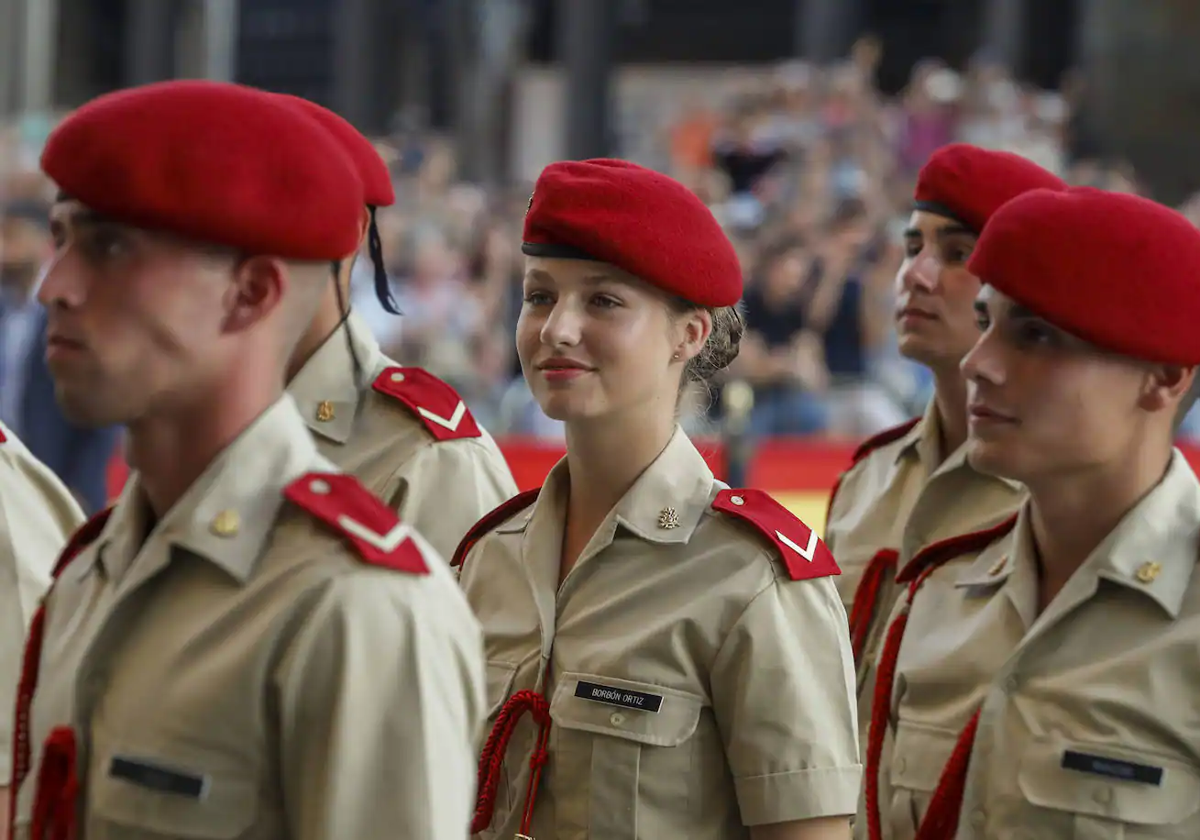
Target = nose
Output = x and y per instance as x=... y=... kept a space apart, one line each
x=59 y=286
x=983 y=362
x=564 y=325
x=920 y=273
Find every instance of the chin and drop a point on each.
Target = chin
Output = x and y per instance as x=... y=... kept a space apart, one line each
x=81 y=408
x=993 y=457
x=565 y=408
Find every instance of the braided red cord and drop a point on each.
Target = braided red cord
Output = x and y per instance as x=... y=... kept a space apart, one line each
x=880 y=712
x=57 y=788
x=866 y=598
x=22 y=754
x=941 y=820
x=491 y=760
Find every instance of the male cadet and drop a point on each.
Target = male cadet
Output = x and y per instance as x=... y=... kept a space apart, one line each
x=404 y=433
x=1046 y=678
x=250 y=644
x=911 y=487
x=37 y=515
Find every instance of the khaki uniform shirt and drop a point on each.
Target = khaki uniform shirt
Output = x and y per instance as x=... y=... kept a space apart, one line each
x=900 y=497
x=1090 y=722
x=441 y=488
x=37 y=516
x=738 y=702
x=244 y=673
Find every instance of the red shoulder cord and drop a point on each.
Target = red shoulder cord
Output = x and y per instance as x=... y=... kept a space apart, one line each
x=866 y=598
x=57 y=788
x=941 y=820
x=30 y=665
x=491 y=761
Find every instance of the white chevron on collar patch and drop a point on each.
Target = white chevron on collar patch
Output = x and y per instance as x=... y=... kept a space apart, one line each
x=806 y=552
x=386 y=543
x=450 y=423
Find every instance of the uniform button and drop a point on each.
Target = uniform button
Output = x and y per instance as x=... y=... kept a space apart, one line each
x=397 y=377
x=616 y=719
x=1103 y=795
x=319 y=486
x=978 y=817
x=901 y=765
x=737 y=500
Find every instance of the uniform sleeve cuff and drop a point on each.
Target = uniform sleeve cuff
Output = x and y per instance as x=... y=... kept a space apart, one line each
x=799 y=795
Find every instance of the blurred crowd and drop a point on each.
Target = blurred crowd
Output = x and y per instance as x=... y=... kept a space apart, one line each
x=811 y=169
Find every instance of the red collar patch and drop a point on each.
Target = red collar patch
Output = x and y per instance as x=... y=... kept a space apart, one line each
x=803 y=552
x=354 y=513
x=437 y=405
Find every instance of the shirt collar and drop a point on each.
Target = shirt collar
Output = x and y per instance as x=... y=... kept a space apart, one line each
x=1153 y=549
x=664 y=505
x=924 y=442
x=227 y=515
x=324 y=389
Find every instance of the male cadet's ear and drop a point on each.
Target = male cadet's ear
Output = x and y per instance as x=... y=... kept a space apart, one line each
x=258 y=287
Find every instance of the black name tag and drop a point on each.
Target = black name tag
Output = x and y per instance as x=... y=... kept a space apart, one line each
x=147 y=774
x=1113 y=768
x=619 y=697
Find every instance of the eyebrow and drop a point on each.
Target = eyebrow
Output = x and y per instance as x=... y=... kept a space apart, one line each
x=1016 y=311
x=949 y=229
x=591 y=279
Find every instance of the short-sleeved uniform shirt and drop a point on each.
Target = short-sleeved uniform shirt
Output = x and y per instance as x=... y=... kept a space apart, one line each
x=899 y=497
x=695 y=688
x=241 y=672
x=37 y=516
x=440 y=487
x=1090 y=721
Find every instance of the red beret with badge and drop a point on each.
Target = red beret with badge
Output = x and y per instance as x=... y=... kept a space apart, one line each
x=219 y=163
x=1119 y=271
x=969 y=184
x=637 y=219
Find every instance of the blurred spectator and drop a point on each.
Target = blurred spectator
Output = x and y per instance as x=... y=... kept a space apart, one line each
x=781 y=355
x=27 y=404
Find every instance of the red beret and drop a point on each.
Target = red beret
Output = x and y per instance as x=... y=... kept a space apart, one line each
x=638 y=220
x=1116 y=270
x=219 y=163
x=376 y=179
x=969 y=184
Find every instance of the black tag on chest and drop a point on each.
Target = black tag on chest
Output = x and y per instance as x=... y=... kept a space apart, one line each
x=619 y=697
x=1113 y=768
x=156 y=777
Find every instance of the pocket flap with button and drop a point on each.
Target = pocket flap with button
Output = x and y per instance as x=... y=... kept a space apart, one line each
x=194 y=795
x=500 y=677
x=1111 y=782
x=920 y=754
x=643 y=712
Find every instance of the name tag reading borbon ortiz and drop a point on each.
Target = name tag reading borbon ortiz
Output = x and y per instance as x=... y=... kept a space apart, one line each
x=619 y=697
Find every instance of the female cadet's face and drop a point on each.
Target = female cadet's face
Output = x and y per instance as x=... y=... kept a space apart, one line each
x=132 y=316
x=1042 y=402
x=935 y=294
x=594 y=340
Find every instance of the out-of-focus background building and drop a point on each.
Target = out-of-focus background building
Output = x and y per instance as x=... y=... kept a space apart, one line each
x=801 y=122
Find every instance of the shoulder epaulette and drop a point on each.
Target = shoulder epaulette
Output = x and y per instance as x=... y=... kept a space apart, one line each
x=866 y=448
x=354 y=513
x=437 y=404
x=943 y=551
x=803 y=552
x=84 y=535
x=492 y=520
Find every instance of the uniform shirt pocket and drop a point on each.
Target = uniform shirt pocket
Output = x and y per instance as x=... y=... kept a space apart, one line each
x=919 y=756
x=172 y=795
x=1101 y=792
x=635 y=745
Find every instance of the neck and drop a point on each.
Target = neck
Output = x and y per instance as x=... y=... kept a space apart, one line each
x=950 y=399
x=1071 y=515
x=328 y=319
x=605 y=457
x=172 y=450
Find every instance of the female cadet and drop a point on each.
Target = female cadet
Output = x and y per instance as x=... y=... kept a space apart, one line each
x=1042 y=683
x=680 y=645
